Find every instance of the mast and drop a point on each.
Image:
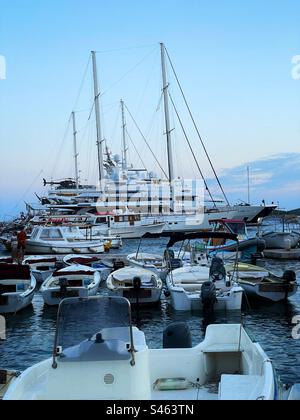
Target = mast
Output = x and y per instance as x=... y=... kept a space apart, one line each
x=98 y=122
x=248 y=180
x=167 y=114
x=75 y=150
x=124 y=163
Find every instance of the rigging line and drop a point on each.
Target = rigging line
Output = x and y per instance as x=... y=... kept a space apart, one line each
x=192 y=151
x=196 y=128
x=82 y=83
x=125 y=48
x=28 y=189
x=128 y=72
x=145 y=140
x=136 y=150
x=61 y=145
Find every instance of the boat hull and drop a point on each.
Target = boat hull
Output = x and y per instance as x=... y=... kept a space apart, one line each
x=144 y=297
x=182 y=301
x=15 y=302
x=271 y=292
x=281 y=240
x=52 y=296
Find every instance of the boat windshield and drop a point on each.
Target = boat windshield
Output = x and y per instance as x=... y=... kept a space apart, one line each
x=82 y=323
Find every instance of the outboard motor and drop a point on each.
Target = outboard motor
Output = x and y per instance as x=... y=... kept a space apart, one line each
x=177 y=336
x=137 y=283
x=118 y=264
x=169 y=254
x=208 y=296
x=175 y=263
x=217 y=270
x=63 y=284
x=289 y=276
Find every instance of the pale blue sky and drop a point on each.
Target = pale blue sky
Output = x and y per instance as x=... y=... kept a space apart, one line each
x=233 y=59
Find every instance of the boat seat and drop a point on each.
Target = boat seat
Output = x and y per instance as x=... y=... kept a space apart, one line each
x=190 y=287
x=222 y=348
x=240 y=387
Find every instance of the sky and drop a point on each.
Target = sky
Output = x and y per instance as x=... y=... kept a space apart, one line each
x=233 y=59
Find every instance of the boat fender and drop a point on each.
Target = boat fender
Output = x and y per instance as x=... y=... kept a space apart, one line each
x=289 y=276
x=177 y=336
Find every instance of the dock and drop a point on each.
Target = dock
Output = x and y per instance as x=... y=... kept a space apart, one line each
x=283 y=254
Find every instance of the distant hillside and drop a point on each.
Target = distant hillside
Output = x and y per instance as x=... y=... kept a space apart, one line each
x=295 y=212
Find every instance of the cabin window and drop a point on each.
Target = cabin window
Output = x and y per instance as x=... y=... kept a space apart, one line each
x=51 y=234
x=34 y=234
x=100 y=220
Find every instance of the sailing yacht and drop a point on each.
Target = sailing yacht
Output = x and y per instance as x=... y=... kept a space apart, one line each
x=177 y=203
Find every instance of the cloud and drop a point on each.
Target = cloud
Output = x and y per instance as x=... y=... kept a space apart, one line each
x=275 y=179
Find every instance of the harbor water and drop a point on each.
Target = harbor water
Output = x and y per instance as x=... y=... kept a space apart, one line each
x=30 y=333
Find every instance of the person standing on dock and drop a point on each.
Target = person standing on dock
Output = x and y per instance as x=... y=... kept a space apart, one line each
x=21 y=246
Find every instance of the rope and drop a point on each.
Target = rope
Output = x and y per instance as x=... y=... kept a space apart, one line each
x=137 y=152
x=145 y=140
x=196 y=128
x=191 y=149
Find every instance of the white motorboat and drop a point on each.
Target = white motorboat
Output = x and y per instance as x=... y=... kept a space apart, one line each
x=203 y=285
x=17 y=286
x=41 y=266
x=259 y=283
x=76 y=281
x=153 y=262
x=99 y=355
x=281 y=240
x=55 y=240
x=136 y=284
x=6 y=260
x=104 y=267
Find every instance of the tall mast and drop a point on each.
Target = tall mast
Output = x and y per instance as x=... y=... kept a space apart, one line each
x=124 y=163
x=75 y=150
x=167 y=114
x=248 y=181
x=98 y=122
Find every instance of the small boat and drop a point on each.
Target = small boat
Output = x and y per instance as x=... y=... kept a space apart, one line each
x=281 y=240
x=136 y=284
x=104 y=267
x=76 y=281
x=99 y=355
x=41 y=267
x=204 y=286
x=55 y=240
x=153 y=262
x=259 y=283
x=246 y=244
x=6 y=260
x=17 y=286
